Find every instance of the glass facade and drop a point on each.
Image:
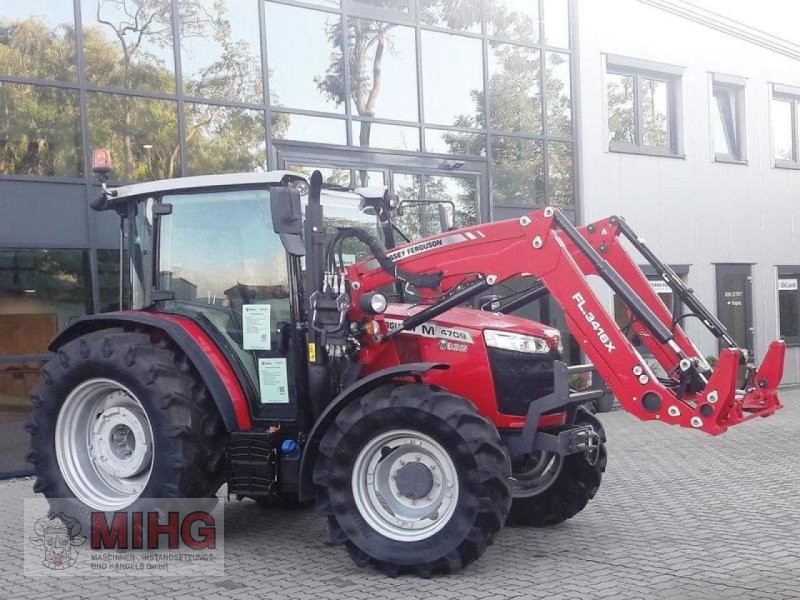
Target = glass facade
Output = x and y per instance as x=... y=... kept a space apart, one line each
x=202 y=86
x=190 y=87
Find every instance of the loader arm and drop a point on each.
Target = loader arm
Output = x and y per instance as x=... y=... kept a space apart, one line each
x=546 y=245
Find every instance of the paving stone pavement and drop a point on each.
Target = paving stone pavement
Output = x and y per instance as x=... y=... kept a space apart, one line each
x=680 y=515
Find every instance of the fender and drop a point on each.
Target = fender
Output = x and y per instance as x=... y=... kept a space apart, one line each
x=338 y=404
x=194 y=342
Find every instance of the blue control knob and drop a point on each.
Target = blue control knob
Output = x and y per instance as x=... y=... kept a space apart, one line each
x=289 y=447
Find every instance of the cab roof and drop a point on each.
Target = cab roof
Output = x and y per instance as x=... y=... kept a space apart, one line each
x=207 y=181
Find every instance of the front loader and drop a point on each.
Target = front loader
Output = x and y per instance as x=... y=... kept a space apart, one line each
x=272 y=335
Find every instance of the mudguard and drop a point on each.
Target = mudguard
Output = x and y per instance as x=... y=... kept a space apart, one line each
x=194 y=342
x=356 y=390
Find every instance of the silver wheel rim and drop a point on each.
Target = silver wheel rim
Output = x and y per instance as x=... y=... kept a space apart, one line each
x=104 y=444
x=539 y=477
x=380 y=501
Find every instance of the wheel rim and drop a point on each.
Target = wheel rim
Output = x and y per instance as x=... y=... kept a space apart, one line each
x=405 y=485
x=104 y=444
x=536 y=475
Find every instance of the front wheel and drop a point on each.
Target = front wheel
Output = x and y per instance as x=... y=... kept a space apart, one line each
x=549 y=489
x=412 y=479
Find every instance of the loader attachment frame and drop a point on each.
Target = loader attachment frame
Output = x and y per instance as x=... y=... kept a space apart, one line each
x=545 y=244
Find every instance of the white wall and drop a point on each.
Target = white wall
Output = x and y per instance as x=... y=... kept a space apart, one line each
x=693 y=210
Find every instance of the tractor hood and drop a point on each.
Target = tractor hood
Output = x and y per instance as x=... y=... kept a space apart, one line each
x=478 y=320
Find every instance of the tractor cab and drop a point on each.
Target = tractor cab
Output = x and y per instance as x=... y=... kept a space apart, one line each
x=228 y=251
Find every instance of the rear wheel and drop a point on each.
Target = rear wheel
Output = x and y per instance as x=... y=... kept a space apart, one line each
x=412 y=479
x=549 y=489
x=119 y=418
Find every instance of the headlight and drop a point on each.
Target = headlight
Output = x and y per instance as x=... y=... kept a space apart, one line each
x=378 y=303
x=516 y=342
x=374 y=303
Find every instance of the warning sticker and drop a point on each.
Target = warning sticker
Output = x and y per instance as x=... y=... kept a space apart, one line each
x=273 y=381
x=256 y=326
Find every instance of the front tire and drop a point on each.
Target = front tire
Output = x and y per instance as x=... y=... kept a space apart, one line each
x=119 y=418
x=412 y=480
x=565 y=486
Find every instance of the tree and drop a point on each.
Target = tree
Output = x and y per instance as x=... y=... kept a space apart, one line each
x=124 y=48
x=39 y=127
x=367 y=40
x=516 y=106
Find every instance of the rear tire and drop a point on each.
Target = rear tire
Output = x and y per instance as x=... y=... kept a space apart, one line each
x=576 y=483
x=101 y=375
x=412 y=480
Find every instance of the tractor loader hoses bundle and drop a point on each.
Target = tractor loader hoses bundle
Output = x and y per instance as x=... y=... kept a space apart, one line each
x=420 y=280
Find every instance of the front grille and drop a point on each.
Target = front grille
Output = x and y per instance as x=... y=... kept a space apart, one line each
x=520 y=378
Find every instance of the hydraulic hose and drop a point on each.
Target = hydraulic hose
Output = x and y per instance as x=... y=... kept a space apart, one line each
x=420 y=280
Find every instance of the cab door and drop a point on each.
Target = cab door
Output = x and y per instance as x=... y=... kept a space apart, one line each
x=220 y=262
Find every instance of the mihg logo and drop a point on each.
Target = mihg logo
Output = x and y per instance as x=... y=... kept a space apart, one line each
x=59 y=536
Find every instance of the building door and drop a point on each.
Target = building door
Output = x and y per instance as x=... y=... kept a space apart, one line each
x=417 y=180
x=735 y=302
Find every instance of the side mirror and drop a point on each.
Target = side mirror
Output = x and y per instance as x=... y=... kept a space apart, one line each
x=287 y=218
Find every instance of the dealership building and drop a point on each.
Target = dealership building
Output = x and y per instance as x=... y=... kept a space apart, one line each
x=682 y=120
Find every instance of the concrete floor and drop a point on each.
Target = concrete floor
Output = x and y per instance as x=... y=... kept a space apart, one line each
x=680 y=515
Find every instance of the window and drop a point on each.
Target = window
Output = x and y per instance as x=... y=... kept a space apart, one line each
x=142 y=134
x=643 y=102
x=515 y=99
x=129 y=44
x=38 y=40
x=386 y=137
x=465 y=15
x=727 y=119
x=420 y=195
x=786 y=127
x=40 y=132
x=303 y=128
x=558 y=102
x=305 y=57
x=449 y=86
x=402 y=6
x=442 y=141
x=217 y=253
x=513 y=19
x=40 y=292
x=622 y=314
x=518 y=171
x=383 y=71
x=221 y=50
x=556 y=23
x=789 y=304
x=559 y=175
x=221 y=139
x=108 y=280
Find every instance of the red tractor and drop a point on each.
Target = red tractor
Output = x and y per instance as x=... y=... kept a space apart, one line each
x=272 y=335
